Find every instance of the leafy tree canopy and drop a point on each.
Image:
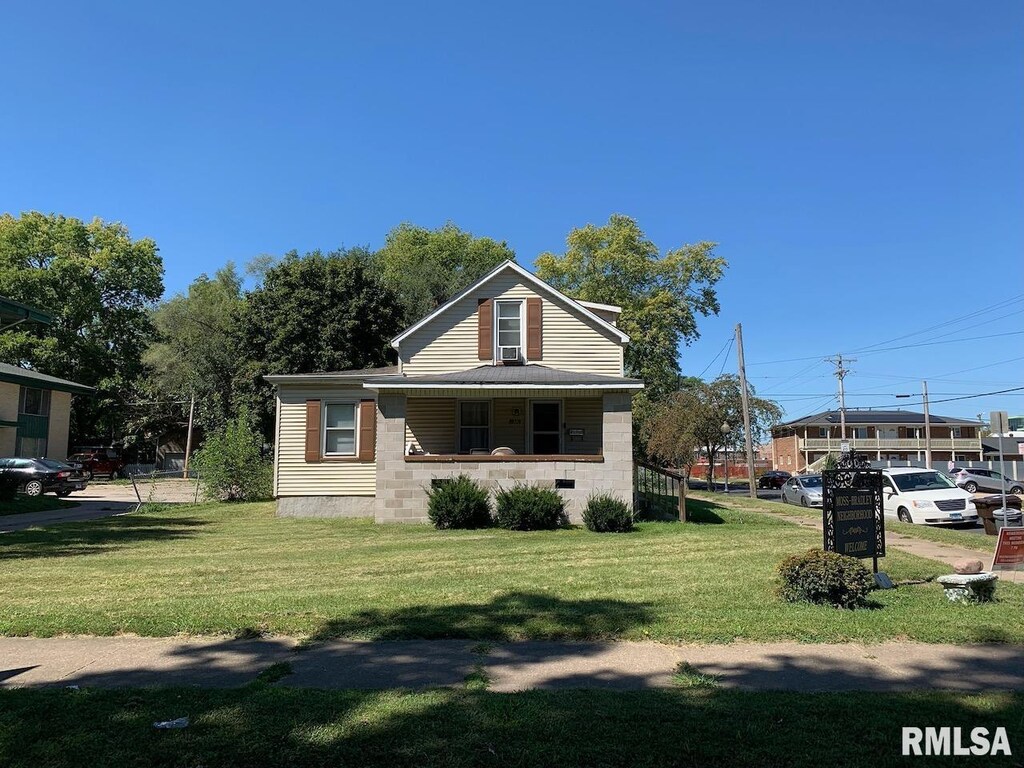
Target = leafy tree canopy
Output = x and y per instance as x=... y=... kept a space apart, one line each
x=660 y=294
x=426 y=267
x=99 y=284
x=319 y=312
x=195 y=350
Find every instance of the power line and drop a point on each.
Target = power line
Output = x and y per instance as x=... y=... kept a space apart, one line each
x=706 y=367
x=903 y=346
x=726 y=358
x=954 y=321
x=951 y=399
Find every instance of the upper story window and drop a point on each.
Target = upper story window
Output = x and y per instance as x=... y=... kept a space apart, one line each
x=510 y=329
x=822 y=431
x=859 y=433
x=340 y=429
x=958 y=431
x=915 y=432
x=34 y=402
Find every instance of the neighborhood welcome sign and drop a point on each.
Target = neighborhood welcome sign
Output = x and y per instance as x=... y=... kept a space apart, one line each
x=852 y=513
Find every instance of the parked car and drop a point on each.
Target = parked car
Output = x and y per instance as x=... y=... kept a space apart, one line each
x=773 y=478
x=804 y=490
x=916 y=495
x=974 y=479
x=99 y=461
x=38 y=476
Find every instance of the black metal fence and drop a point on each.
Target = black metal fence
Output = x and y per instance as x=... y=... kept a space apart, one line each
x=657 y=492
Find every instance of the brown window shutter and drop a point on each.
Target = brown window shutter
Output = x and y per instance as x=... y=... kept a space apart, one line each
x=485 y=329
x=367 y=430
x=312 y=430
x=534 y=329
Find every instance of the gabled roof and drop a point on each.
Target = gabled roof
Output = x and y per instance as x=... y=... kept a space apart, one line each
x=505 y=377
x=529 y=277
x=29 y=378
x=875 y=417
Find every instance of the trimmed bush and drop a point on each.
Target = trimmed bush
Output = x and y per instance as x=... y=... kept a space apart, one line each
x=530 y=508
x=825 y=578
x=607 y=514
x=458 y=503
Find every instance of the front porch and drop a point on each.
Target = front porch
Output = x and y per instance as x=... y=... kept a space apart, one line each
x=576 y=441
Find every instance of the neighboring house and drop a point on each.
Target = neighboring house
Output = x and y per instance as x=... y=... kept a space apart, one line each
x=35 y=413
x=510 y=381
x=881 y=435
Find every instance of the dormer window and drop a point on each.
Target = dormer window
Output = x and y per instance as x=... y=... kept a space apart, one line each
x=509 y=331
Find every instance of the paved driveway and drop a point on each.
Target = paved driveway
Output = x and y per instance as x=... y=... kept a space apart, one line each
x=103 y=500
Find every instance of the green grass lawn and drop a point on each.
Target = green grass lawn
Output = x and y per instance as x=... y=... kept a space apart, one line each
x=222 y=568
x=266 y=725
x=22 y=503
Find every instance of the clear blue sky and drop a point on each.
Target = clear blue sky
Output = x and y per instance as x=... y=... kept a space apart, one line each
x=861 y=164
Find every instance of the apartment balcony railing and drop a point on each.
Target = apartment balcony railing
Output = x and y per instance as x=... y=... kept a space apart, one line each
x=891 y=444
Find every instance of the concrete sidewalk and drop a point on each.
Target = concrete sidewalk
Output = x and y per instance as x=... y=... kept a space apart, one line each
x=113 y=662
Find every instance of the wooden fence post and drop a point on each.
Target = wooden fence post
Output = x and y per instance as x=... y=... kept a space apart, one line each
x=682 y=498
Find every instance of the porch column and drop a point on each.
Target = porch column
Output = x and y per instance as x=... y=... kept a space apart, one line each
x=390 y=458
x=617 y=447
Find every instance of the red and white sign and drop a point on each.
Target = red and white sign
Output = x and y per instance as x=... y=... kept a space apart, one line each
x=1009 y=554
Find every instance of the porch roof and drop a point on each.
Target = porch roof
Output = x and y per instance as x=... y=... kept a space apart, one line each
x=505 y=377
x=28 y=378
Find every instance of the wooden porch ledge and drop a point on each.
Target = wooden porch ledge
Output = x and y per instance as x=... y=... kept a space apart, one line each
x=452 y=458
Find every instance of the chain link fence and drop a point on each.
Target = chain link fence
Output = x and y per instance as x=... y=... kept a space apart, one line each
x=166 y=487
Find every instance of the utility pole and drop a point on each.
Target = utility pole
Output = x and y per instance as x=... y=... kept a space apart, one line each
x=840 y=374
x=188 y=440
x=746 y=412
x=928 y=428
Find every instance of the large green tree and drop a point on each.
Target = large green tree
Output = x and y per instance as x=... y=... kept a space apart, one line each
x=195 y=352
x=99 y=284
x=426 y=267
x=319 y=312
x=661 y=294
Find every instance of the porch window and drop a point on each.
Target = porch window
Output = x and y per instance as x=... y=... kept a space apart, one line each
x=474 y=426
x=822 y=431
x=510 y=326
x=860 y=433
x=340 y=429
x=958 y=431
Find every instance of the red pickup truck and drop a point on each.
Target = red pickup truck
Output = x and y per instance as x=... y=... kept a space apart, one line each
x=99 y=461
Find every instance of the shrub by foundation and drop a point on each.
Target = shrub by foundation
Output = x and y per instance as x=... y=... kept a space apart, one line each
x=458 y=503
x=530 y=508
x=606 y=514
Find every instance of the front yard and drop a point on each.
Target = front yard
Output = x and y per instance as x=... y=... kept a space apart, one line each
x=238 y=569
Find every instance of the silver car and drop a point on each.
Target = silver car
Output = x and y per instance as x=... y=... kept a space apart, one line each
x=804 y=490
x=974 y=479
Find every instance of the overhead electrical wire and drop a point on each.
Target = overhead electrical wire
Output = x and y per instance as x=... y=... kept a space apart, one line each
x=727 y=343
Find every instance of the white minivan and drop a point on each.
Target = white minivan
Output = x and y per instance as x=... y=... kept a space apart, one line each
x=917 y=495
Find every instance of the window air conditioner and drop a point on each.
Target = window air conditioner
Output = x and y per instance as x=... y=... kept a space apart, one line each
x=509 y=354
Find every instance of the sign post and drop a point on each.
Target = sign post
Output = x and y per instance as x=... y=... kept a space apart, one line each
x=999 y=423
x=852 y=520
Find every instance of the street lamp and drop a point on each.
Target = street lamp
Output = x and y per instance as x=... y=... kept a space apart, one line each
x=726 y=429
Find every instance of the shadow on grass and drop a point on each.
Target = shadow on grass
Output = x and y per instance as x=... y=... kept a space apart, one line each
x=510 y=616
x=260 y=726
x=93 y=537
x=661 y=508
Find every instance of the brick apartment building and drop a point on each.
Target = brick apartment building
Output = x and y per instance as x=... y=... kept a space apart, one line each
x=881 y=435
